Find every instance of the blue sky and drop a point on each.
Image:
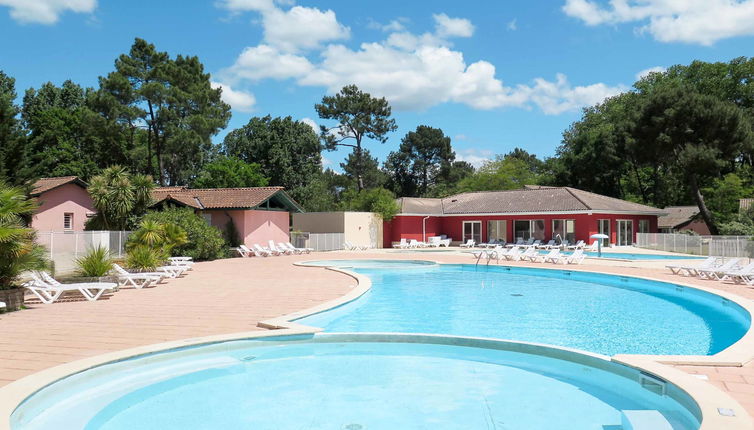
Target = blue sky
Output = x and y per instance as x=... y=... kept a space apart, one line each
x=492 y=75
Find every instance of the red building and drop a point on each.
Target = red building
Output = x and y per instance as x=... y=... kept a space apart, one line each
x=534 y=211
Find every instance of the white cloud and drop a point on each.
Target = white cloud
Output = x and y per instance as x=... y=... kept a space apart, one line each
x=264 y=61
x=238 y=100
x=559 y=96
x=296 y=29
x=446 y=26
x=512 y=25
x=702 y=22
x=475 y=157
x=646 y=72
x=398 y=24
x=414 y=72
x=46 y=11
x=460 y=137
x=311 y=123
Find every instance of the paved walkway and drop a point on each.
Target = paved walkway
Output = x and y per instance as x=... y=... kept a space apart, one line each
x=233 y=295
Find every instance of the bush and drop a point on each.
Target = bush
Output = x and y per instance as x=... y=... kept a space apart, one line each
x=95 y=263
x=141 y=257
x=203 y=241
x=378 y=200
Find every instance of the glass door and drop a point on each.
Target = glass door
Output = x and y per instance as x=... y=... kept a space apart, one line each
x=625 y=232
x=472 y=230
x=603 y=227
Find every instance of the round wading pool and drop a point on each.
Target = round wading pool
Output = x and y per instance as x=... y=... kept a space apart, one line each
x=360 y=382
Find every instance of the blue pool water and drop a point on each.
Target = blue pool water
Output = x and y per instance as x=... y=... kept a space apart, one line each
x=334 y=384
x=629 y=256
x=594 y=312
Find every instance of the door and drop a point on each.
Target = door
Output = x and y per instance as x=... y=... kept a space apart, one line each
x=603 y=227
x=472 y=230
x=625 y=232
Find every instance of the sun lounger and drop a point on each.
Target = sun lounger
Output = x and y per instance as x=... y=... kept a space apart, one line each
x=301 y=250
x=274 y=248
x=519 y=242
x=580 y=244
x=564 y=245
x=172 y=271
x=513 y=255
x=261 y=252
x=137 y=280
x=577 y=257
x=180 y=262
x=679 y=269
x=548 y=245
x=743 y=275
x=530 y=254
x=554 y=256
x=594 y=247
x=469 y=244
x=554 y=252
x=48 y=292
x=243 y=251
x=717 y=273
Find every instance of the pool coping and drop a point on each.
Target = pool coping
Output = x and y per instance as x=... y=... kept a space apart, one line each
x=709 y=399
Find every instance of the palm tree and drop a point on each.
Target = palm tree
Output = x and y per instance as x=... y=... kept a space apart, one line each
x=18 y=250
x=119 y=197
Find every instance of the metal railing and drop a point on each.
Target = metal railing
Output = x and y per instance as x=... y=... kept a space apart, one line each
x=65 y=247
x=318 y=241
x=722 y=246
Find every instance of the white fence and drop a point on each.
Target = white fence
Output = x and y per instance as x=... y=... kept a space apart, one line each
x=319 y=241
x=64 y=247
x=724 y=246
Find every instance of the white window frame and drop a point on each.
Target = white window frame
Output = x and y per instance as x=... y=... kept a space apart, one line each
x=605 y=242
x=68 y=216
x=473 y=236
x=501 y=233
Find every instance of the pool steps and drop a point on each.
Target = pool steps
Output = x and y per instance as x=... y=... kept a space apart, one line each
x=644 y=420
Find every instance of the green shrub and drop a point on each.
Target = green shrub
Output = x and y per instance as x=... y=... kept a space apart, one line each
x=202 y=241
x=141 y=257
x=95 y=263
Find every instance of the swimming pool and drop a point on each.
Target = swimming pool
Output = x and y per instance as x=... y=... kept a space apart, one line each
x=594 y=312
x=321 y=382
x=632 y=256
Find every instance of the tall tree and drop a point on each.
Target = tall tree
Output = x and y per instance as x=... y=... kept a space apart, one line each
x=13 y=153
x=359 y=115
x=175 y=100
x=367 y=168
x=420 y=159
x=230 y=172
x=696 y=135
x=500 y=174
x=287 y=151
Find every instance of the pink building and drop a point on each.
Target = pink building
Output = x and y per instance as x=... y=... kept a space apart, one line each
x=64 y=204
x=260 y=214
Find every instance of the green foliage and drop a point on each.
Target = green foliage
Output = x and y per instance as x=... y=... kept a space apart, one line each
x=144 y=258
x=230 y=172
x=119 y=198
x=359 y=115
x=378 y=200
x=203 y=241
x=287 y=151
x=97 y=262
x=174 y=98
x=18 y=250
x=724 y=195
x=371 y=175
x=14 y=166
x=425 y=159
x=502 y=173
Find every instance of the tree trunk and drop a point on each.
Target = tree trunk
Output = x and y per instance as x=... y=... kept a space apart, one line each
x=359 y=166
x=703 y=211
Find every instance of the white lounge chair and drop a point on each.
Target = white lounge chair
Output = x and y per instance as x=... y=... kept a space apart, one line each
x=564 y=245
x=594 y=247
x=243 y=251
x=554 y=252
x=548 y=245
x=743 y=275
x=172 y=271
x=554 y=256
x=274 y=248
x=181 y=258
x=179 y=261
x=290 y=250
x=577 y=257
x=261 y=252
x=469 y=244
x=519 y=242
x=679 y=269
x=301 y=250
x=580 y=244
x=717 y=273
x=513 y=255
x=137 y=280
x=48 y=292
x=530 y=254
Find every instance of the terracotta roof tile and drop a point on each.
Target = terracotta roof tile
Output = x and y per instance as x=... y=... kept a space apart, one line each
x=217 y=198
x=43 y=185
x=532 y=199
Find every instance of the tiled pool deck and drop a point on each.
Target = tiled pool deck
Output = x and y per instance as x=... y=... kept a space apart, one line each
x=233 y=295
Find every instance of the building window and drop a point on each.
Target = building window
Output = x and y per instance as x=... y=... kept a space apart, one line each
x=529 y=228
x=497 y=230
x=472 y=230
x=643 y=226
x=565 y=228
x=68 y=221
x=603 y=227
